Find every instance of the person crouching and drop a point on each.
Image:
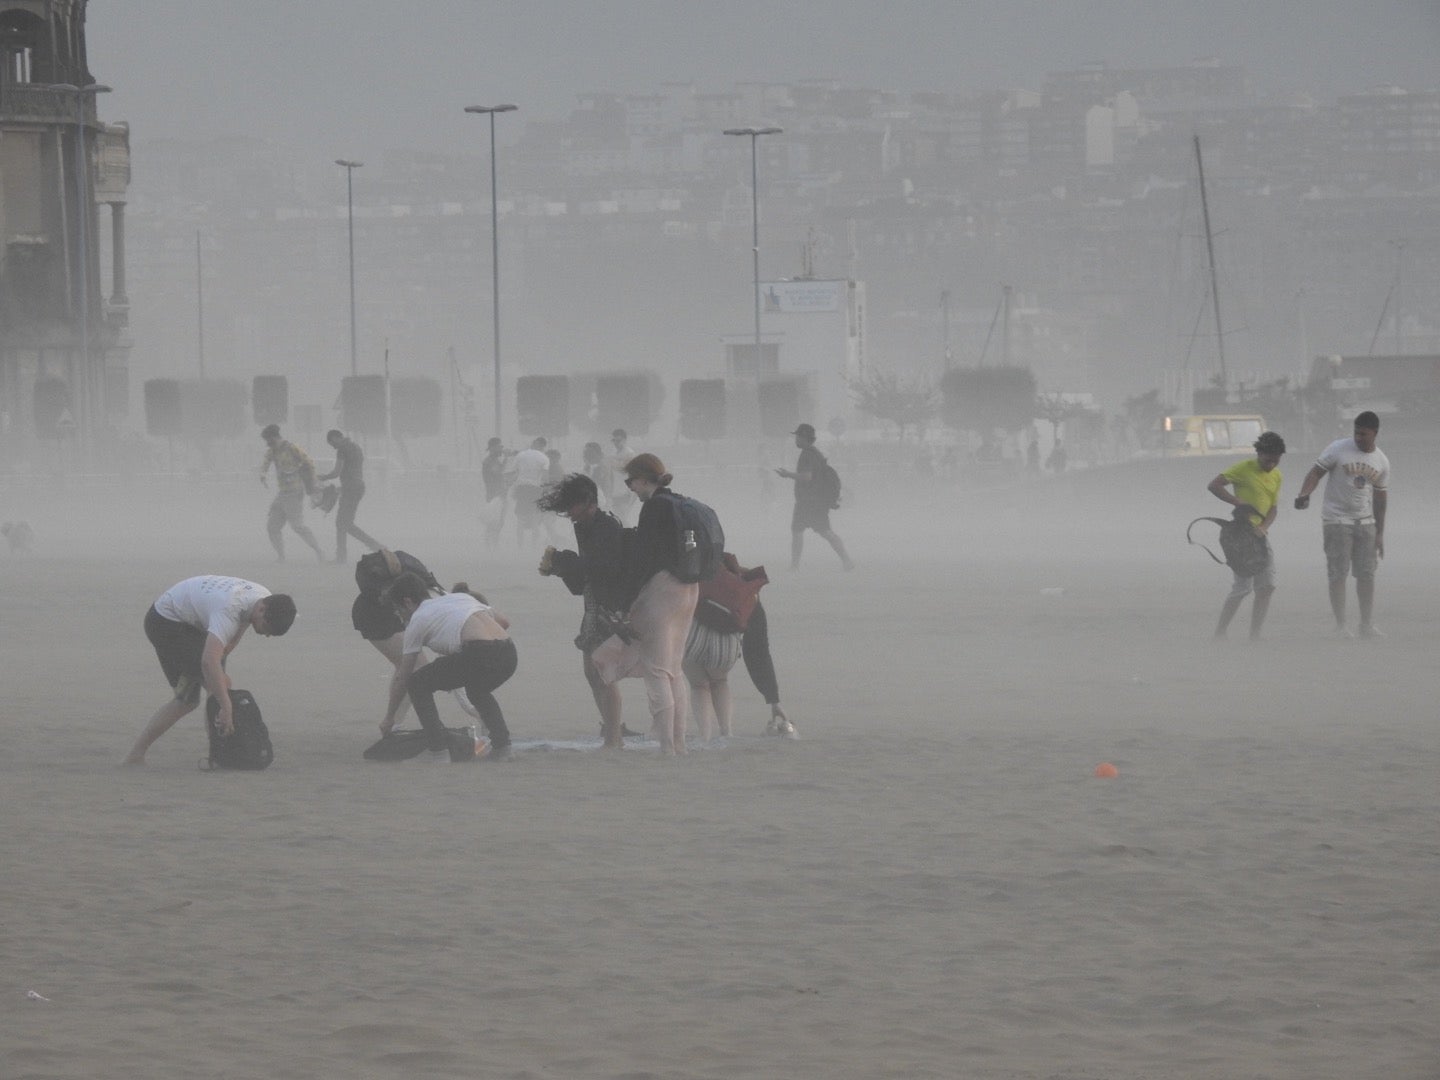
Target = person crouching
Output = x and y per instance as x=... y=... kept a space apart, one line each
x=473 y=649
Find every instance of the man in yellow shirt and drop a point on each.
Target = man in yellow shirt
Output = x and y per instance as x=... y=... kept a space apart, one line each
x=1256 y=484
x=294 y=475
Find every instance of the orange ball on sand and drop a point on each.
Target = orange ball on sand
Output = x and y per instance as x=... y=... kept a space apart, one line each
x=1106 y=771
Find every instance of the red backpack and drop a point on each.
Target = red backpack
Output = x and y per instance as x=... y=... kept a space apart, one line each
x=728 y=598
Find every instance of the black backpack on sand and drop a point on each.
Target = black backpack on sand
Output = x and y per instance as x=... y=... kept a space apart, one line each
x=411 y=743
x=249 y=746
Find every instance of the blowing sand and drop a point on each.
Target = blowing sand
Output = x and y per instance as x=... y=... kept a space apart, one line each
x=930 y=883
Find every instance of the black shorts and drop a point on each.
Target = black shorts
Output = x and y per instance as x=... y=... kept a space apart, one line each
x=810 y=516
x=374 y=620
x=179 y=647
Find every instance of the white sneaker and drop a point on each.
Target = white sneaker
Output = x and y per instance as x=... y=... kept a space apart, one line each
x=786 y=729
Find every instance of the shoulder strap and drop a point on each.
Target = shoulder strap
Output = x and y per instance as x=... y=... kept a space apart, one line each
x=1218 y=521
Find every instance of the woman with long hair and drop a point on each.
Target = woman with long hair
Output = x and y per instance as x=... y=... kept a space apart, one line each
x=596 y=572
x=662 y=610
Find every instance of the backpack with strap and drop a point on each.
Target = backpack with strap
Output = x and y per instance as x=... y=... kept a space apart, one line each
x=1246 y=551
x=412 y=742
x=700 y=541
x=728 y=599
x=376 y=569
x=248 y=747
x=827 y=485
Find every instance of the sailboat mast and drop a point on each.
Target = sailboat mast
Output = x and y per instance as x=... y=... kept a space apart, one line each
x=1210 y=255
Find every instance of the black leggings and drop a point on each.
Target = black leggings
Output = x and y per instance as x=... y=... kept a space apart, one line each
x=755 y=650
x=479 y=666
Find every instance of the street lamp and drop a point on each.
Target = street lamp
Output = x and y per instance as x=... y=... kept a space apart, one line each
x=755 y=134
x=491 y=110
x=350 y=167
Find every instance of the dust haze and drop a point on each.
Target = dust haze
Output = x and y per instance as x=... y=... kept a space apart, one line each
x=931 y=881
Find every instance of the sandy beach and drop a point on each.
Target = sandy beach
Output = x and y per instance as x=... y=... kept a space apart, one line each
x=931 y=882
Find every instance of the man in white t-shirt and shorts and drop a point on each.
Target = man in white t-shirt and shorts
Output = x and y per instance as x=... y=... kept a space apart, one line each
x=1357 y=479
x=532 y=472
x=194 y=626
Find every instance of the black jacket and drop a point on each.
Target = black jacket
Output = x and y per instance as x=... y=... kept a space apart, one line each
x=600 y=562
x=654 y=545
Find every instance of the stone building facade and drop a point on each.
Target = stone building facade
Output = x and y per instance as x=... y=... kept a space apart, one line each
x=64 y=344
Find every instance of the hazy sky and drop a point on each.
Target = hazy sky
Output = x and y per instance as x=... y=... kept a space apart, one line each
x=357 y=76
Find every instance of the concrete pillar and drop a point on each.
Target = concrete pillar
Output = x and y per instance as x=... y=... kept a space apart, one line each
x=117 y=255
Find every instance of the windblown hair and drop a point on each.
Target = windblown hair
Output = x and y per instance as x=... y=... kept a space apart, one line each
x=1270 y=442
x=566 y=492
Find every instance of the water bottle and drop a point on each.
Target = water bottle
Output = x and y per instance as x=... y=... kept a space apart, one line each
x=689 y=540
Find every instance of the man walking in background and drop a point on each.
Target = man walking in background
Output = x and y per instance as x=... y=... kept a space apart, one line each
x=350 y=469
x=1257 y=489
x=623 y=502
x=294 y=476
x=1357 y=478
x=532 y=471
x=813 y=499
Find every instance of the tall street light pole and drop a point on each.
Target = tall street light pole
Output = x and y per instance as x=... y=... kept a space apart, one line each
x=755 y=134
x=350 y=167
x=491 y=110
x=200 y=304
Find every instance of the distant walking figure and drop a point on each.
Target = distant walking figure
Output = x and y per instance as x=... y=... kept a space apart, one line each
x=622 y=502
x=350 y=469
x=294 y=476
x=812 y=502
x=532 y=471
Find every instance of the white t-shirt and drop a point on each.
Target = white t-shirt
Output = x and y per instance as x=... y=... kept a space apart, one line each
x=1354 y=478
x=532 y=467
x=436 y=624
x=218 y=605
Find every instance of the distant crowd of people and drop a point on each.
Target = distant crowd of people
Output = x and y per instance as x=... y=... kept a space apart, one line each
x=646 y=612
x=643 y=615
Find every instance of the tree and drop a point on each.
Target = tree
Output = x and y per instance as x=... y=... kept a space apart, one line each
x=1055 y=409
x=1143 y=414
x=886 y=396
